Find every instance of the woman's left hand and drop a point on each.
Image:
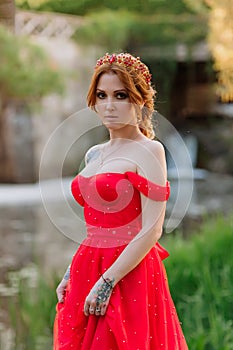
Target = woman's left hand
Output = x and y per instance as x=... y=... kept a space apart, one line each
x=98 y=299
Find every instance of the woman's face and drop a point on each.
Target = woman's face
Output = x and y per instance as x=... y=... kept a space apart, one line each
x=112 y=102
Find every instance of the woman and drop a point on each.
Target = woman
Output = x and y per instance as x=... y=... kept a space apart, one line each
x=115 y=294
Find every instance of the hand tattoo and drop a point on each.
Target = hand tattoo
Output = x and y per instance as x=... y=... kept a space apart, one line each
x=104 y=290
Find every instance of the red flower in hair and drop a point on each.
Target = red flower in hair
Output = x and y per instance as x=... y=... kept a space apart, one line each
x=112 y=58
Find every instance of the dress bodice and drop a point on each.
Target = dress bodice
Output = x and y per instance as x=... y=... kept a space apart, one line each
x=112 y=203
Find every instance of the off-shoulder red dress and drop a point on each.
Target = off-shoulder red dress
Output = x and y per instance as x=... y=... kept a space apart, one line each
x=141 y=314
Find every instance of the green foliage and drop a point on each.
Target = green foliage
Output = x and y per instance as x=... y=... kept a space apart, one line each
x=200 y=273
x=108 y=29
x=32 y=314
x=121 y=29
x=25 y=70
x=169 y=29
x=198 y=6
x=82 y=7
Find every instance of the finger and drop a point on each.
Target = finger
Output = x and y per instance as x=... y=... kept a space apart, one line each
x=92 y=307
x=91 y=310
x=86 y=308
x=60 y=295
x=97 y=310
x=103 y=309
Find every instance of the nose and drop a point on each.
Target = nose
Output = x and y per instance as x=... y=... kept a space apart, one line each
x=110 y=106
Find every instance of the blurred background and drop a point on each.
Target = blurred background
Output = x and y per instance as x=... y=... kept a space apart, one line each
x=48 y=49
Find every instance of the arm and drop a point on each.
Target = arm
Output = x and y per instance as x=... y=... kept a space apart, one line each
x=153 y=214
x=154 y=166
x=61 y=288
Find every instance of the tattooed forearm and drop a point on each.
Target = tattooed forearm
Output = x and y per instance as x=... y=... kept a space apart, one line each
x=67 y=274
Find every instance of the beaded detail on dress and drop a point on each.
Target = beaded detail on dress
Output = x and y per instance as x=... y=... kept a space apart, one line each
x=141 y=314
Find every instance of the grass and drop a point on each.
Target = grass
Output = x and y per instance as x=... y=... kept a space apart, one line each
x=32 y=314
x=200 y=273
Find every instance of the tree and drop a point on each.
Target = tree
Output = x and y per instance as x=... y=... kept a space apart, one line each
x=220 y=42
x=26 y=75
x=220 y=39
x=7 y=13
x=84 y=7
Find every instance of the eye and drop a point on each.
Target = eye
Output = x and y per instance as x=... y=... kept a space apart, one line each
x=101 y=95
x=122 y=95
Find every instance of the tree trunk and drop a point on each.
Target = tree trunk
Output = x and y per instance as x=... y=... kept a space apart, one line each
x=7 y=13
x=16 y=143
x=6 y=159
x=7 y=19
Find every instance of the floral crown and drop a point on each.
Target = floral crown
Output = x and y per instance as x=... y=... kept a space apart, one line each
x=126 y=60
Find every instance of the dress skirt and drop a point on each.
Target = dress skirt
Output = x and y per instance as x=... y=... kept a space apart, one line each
x=140 y=315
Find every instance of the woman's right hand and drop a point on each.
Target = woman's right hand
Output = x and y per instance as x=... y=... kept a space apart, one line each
x=61 y=289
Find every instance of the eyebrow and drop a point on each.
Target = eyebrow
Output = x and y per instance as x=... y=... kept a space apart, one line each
x=113 y=91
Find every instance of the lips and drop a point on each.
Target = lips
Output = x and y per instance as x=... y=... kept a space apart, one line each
x=110 y=118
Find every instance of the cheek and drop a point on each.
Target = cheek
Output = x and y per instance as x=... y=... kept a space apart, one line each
x=128 y=114
x=127 y=107
x=99 y=108
x=132 y=111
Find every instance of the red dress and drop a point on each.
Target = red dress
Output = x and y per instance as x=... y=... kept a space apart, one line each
x=141 y=314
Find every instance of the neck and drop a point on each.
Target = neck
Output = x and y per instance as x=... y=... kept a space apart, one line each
x=130 y=133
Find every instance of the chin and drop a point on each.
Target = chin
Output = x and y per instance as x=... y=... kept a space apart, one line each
x=114 y=126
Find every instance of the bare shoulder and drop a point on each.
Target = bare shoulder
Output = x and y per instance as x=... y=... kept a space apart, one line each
x=153 y=164
x=156 y=148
